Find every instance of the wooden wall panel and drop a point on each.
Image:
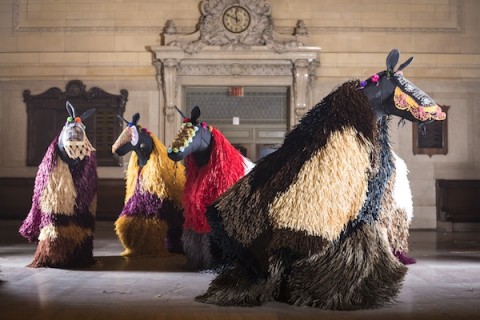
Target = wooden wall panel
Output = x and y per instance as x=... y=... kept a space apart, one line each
x=458 y=200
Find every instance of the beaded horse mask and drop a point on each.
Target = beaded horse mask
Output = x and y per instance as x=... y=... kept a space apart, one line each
x=392 y=94
x=193 y=138
x=73 y=139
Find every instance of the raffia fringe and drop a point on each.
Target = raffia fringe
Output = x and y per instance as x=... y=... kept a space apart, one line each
x=60 y=193
x=329 y=190
x=140 y=236
x=159 y=176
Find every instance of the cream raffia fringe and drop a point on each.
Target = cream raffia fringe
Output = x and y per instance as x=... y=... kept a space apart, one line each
x=60 y=193
x=330 y=188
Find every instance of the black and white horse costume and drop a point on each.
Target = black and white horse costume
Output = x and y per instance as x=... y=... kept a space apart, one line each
x=309 y=224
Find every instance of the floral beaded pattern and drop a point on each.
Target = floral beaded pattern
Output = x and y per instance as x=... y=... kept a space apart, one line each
x=408 y=97
x=187 y=132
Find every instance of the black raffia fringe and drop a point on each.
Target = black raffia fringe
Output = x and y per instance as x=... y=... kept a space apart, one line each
x=359 y=273
x=197 y=250
x=226 y=251
x=237 y=287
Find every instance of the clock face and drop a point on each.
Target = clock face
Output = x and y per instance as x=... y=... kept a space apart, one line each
x=236 y=19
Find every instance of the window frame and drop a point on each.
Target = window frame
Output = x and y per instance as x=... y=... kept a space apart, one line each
x=46 y=116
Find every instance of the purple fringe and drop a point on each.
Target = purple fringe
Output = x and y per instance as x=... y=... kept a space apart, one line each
x=402 y=256
x=85 y=180
x=142 y=204
x=84 y=177
x=31 y=226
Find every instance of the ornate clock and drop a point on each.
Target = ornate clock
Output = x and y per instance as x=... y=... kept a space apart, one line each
x=236 y=19
x=234 y=24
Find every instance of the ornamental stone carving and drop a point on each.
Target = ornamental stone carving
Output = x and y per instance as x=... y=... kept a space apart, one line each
x=212 y=30
x=235 y=69
x=235 y=44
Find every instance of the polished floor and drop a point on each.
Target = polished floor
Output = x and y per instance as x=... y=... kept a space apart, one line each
x=443 y=284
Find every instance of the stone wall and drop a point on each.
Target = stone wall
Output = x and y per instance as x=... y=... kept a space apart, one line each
x=46 y=43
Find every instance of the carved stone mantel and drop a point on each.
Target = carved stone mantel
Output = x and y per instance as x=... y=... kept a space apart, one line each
x=213 y=56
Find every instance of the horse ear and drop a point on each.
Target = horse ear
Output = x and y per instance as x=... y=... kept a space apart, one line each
x=70 y=110
x=180 y=111
x=135 y=118
x=392 y=59
x=87 y=114
x=405 y=64
x=122 y=118
x=195 y=114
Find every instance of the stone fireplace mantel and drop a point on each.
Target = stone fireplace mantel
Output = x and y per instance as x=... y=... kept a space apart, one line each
x=213 y=56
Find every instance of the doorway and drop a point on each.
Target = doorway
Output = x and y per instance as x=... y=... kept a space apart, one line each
x=254 y=119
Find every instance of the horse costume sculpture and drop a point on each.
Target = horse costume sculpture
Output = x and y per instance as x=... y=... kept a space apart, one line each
x=151 y=220
x=308 y=225
x=62 y=216
x=212 y=166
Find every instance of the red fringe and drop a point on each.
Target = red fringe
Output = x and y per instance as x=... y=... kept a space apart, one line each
x=204 y=185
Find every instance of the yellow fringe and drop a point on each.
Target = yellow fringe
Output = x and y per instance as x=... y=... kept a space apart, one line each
x=330 y=188
x=59 y=194
x=140 y=236
x=158 y=176
x=131 y=176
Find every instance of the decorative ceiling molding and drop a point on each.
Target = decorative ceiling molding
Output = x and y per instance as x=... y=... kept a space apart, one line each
x=20 y=24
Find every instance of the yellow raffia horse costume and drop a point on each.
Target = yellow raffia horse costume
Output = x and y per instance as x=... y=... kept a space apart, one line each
x=151 y=220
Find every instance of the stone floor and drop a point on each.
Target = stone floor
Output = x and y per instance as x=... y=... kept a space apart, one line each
x=443 y=284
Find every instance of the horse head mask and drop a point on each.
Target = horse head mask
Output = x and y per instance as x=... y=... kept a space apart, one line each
x=134 y=138
x=73 y=143
x=193 y=138
x=391 y=93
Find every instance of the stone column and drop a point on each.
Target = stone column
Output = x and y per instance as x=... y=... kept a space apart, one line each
x=312 y=77
x=161 y=107
x=169 y=90
x=300 y=89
